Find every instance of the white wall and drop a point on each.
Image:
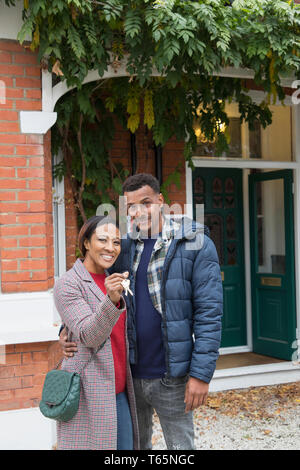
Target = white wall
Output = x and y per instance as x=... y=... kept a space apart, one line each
x=10 y=20
x=26 y=429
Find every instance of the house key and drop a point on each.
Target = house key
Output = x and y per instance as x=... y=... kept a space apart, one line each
x=126 y=284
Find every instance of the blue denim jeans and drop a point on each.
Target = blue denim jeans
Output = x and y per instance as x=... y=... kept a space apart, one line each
x=166 y=397
x=124 y=423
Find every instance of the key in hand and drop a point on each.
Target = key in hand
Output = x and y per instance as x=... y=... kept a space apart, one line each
x=126 y=284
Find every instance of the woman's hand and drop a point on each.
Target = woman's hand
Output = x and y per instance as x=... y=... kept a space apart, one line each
x=113 y=285
x=68 y=349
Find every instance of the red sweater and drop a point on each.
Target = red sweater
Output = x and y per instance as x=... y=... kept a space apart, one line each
x=118 y=344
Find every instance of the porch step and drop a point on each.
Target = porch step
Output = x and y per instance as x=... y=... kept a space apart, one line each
x=255 y=376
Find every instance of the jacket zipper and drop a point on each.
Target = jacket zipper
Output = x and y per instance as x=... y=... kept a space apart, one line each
x=163 y=302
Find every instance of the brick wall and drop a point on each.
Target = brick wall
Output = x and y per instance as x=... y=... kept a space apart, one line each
x=26 y=235
x=25 y=179
x=23 y=375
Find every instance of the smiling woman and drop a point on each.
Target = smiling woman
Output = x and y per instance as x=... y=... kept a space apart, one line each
x=92 y=308
x=100 y=243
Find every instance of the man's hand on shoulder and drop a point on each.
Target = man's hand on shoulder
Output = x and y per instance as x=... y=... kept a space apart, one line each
x=68 y=349
x=195 y=394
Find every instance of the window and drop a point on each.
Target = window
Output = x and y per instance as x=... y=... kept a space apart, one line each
x=272 y=143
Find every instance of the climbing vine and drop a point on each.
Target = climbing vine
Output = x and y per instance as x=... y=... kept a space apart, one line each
x=185 y=44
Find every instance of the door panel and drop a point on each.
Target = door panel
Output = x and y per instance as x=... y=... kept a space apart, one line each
x=272 y=268
x=220 y=190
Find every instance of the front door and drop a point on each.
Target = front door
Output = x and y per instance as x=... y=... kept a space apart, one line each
x=220 y=190
x=272 y=271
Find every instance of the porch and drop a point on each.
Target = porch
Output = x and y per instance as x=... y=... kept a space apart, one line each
x=247 y=369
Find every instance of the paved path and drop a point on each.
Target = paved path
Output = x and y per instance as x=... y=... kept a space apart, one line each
x=256 y=418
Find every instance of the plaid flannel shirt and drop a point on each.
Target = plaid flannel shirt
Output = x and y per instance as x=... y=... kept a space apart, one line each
x=155 y=267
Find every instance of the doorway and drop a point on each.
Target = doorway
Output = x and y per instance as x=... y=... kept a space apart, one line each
x=272 y=263
x=221 y=192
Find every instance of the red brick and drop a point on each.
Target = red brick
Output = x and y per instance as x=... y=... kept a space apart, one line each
x=28 y=82
x=7 y=243
x=7 y=219
x=40 y=275
x=37 y=229
x=8 y=45
x=32 y=241
x=10 y=359
x=8 y=81
x=8 y=104
x=33 y=71
x=12 y=183
x=6 y=173
x=25 y=59
x=14 y=254
x=18 y=230
x=35 y=184
x=35 y=94
x=36 y=286
x=9 y=265
x=16 y=276
x=11 y=70
x=28 y=105
x=38 y=252
x=9 y=127
x=31 y=195
x=28 y=393
x=12 y=138
x=29 y=150
x=8 y=115
x=7 y=150
x=34 y=139
x=14 y=93
x=33 y=264
x=13 y=207
x=7 y=196
x=30 y=172
x=37 y=206
x=27 y=381
x=31 y=218
x=13 y=162
x=5 y=57
x=29 y=347
x=10 y=384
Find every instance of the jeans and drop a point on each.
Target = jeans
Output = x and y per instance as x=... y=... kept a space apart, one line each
x=124 y=423
x=166 y=396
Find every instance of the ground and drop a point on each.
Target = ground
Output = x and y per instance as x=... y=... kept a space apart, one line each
x=253 y=418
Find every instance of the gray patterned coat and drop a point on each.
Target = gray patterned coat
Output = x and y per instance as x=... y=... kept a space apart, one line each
x=90 y=316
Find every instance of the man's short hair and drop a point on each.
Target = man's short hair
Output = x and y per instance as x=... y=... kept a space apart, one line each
x=134 y=182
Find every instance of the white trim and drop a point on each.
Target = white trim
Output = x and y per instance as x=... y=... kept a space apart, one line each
x=296 y=152
x=242 y=163
x=58 y=197
x=234 y=350
x=247 y=258
x=36 y=122
x=28 y=318
x=254 y=376
x=26 y=429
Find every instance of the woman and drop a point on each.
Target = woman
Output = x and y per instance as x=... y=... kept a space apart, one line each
x=92 y=308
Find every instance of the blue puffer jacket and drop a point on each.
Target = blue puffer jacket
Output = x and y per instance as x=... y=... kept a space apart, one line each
x=192 y=302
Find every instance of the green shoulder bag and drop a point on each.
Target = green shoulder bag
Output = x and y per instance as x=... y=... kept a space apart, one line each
x=61 y=394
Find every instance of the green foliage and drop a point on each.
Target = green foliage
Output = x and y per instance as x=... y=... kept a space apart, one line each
x=186 y=42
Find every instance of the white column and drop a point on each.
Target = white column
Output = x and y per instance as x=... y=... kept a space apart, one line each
x=296 y=153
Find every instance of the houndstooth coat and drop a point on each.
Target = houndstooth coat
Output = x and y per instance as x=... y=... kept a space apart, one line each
x=90 y=316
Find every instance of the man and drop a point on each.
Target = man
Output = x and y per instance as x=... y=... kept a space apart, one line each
x=174 y=314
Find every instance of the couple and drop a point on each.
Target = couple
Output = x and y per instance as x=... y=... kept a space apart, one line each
x=158 y=349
